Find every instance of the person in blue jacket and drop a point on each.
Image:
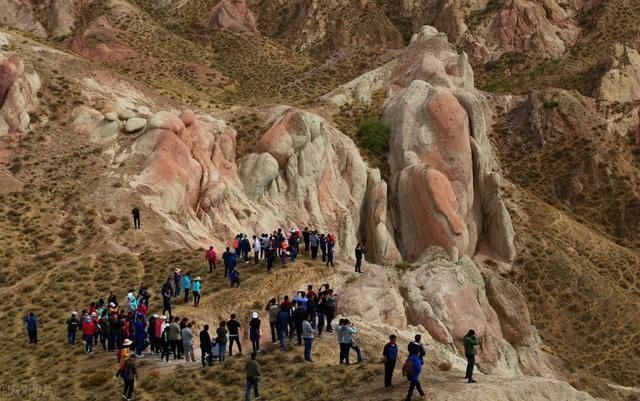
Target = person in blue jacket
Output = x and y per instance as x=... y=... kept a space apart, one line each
x=186 y=284
x=283 y=324
x=139 y=336
x=414 y=376
x=32 y=328
x=196 y=288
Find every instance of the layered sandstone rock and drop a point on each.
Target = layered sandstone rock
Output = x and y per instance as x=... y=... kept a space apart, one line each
x=303 y=172
x=18 y=98
x=232 y=15
x=440 y=156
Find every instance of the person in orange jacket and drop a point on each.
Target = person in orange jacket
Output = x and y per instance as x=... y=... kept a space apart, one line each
x=283 y=251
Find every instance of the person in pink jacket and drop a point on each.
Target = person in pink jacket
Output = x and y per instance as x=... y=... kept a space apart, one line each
x=211 y=257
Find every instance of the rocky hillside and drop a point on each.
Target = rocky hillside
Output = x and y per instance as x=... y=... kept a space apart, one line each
x=506 y=198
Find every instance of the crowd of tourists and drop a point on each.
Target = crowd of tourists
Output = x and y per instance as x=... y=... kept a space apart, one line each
x=128 y=329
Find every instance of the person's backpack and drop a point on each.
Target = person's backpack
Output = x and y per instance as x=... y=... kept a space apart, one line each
x=407 y=368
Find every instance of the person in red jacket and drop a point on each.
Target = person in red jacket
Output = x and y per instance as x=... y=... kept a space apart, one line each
x=211 y=257
x=90 y=329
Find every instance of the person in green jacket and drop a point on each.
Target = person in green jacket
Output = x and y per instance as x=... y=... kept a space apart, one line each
x=253 y=373
x=470 y=342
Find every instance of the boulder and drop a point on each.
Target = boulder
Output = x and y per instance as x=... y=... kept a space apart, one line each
x=621 y=81
x=511 y=307
x=135 y=124
x=18 y=98
x=232 y=15
x=98 y=127
x=111 y=116
x=62 y=15
x=374 y=297
x=99 y=42
x=21 y=15
x=449 y=299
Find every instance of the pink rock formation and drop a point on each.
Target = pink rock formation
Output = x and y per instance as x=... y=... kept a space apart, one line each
x=99 y=42
x=20 y=14
x=441 y=163
x=233 y=15
x=17 y=97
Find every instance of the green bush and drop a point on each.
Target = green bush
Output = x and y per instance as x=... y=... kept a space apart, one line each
x=374 y=135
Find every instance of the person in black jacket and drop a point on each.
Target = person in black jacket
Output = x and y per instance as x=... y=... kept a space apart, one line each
x=167 y=293
x=205 y=345
x=416 y=348
x=136 y=217
x=299 y=316
x=359 y=254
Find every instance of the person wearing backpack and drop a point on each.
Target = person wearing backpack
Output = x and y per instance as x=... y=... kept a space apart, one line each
x=412 y=369
x=130 y=374
x=470 y=342
x=234 y=278
x=254 y=332
x=390 y=354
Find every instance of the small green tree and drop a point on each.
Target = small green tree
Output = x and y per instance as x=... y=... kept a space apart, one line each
x=374 y=135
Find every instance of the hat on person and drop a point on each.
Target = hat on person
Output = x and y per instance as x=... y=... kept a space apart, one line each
x=155 y=315
x=127 y=342
x=111 y=304
x=197 y=278
x=74 y=313
x=254 y=315
x=163 y=317
x=177 y=269
x=94 y=314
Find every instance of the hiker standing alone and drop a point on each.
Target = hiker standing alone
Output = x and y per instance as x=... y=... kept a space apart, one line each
x=470 y=343
x=390 y=354
x=32 y=328
x=359 y=254
x=252 y=369
x=136 y=217
x=129 y=375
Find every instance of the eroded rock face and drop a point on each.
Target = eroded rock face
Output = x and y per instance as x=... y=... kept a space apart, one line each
x=20 y=14
x=303 y=172
x=233 y=15
x=62 y=16
x=327 y=27
x=443 y=172
x=621 y=82
x=99 y=42
x=314 y=172
x=17 y=97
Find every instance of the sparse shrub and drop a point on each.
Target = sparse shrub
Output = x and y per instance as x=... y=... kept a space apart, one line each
x=445 y=366
x=550 y=104
x=374 y=135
